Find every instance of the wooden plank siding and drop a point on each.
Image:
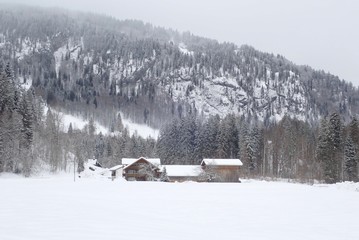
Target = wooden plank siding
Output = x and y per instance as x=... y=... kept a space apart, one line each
x=223 y=171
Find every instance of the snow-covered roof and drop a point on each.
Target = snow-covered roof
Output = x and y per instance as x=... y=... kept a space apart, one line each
x=93 y=170
x=91 y=161
x=182 y=170
x=116 y=167
x=94 y=162
x=222 y=162
x=129 y=161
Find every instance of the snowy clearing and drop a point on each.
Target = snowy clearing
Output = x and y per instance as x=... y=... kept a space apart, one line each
x=141 y=130
x=58 y=208
x=79 y=123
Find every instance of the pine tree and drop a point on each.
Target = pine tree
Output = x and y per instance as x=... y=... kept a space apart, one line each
x=99 y=146
x=354 y=134
x=335 y=131
x=7 y=90
x=164 y=177
x=1 y=152
x=329 y=148
x=70 y=130
x=253 y=151
x=286 y=160
x=223 y=141
x=354 y=131
x=188 y=140
x=232 y=132
x=350 y=160
x=322 y=151
x=249 y=149
x=109 y=151
x=91 y=127
x=208 y=136
x=168 y=143
x=27 y=119
x=335 y=139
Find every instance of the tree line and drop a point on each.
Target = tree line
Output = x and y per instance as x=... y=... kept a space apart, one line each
x=289 y=149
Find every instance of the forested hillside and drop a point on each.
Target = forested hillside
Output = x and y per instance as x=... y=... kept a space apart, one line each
x=98 y=65
x=31 y=138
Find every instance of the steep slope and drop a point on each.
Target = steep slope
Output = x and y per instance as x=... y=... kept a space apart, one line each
x=98 y=65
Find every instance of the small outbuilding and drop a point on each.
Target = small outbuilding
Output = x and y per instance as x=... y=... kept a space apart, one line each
x=116 y=172
x=182 y=173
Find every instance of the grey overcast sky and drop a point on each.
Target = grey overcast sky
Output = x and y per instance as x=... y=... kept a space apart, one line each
x=323 y=34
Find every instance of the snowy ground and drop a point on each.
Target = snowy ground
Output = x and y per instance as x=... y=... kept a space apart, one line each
x=58 y=208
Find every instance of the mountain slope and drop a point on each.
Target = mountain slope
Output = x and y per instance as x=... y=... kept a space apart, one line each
x=98 y=65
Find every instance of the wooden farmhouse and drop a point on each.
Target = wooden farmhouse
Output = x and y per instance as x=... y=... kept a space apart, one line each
x=182 y=173
x=141 y=169
x=221 y=170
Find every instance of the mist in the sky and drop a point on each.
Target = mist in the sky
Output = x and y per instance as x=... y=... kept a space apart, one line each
x=321 y=33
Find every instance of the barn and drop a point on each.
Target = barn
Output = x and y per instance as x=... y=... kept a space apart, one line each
x=221 y=170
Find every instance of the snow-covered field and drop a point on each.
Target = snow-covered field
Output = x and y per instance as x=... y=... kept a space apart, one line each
x=58 y=208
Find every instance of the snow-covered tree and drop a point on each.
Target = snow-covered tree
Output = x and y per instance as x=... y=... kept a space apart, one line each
x=351 y=161
x=336 y=147
x=329 y=148
x=164 y=177
x=322 y=151
x=27 y=114
x=208 y=137
x=148 y=170
x=7 y=89
x=210 y=174
x=99 y=146
x=188 y=139
x=354 y=132
x=91 y=127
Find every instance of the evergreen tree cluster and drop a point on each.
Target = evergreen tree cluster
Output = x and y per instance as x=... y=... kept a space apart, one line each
x=18 y=115
x=30 y=138
x=289 y=149
x=189 y=140
x=337 y=149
